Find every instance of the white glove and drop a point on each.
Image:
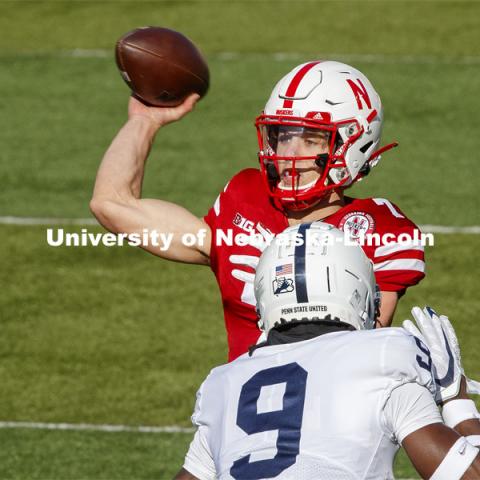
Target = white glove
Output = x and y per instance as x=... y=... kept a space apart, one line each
x=439 y=336
x=258 y=241
x=246 y=261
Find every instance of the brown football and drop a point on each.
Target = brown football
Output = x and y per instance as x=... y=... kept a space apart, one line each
x=161 y=66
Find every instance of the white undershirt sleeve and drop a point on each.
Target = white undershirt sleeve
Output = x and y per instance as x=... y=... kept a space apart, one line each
x=199 y=460
x=409 y=408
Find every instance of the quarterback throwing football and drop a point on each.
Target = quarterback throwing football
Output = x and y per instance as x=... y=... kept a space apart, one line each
x=318 y=134
x=325 y=396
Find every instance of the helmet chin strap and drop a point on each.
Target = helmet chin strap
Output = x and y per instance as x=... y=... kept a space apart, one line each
x=382 y=150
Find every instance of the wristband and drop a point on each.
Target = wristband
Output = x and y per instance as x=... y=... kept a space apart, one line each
x=456 y=411
x=456 y=462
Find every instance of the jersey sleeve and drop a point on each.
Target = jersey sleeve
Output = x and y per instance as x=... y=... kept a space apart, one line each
x=409 y=408
x=212 y=218
x=222 y=213
x=407 y=359
x=199 y=459
x=399 y=260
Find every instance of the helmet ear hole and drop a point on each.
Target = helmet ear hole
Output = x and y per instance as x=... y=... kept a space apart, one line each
x=321 y=160
x=272 y=173
x=272 y=136
x=338 y=141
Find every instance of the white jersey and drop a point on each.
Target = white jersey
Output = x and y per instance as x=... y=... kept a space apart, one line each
x=334 y=407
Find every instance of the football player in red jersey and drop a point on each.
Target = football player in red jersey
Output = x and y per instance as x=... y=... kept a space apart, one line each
x=319 y=133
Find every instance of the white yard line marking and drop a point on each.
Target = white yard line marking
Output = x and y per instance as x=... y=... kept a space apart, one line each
x=97 y=428
x=103 y=428
x=25 y=221
x=472 y=230
x=378 y=58
x=49 y=221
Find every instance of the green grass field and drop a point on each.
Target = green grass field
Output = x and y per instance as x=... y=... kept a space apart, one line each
x=115 y=336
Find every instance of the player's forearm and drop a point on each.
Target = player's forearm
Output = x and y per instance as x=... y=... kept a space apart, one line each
x=461 y=414
x=120 y=175
x=389 y=301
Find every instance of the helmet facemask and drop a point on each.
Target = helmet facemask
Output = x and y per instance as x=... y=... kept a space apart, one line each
x=303 y=159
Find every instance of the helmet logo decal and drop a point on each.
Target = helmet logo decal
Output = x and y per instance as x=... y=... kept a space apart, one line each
x=282 y=270
x=284 y=112
x=292 y=87
x=324 y=116
x=360 y=93
x=282 y=285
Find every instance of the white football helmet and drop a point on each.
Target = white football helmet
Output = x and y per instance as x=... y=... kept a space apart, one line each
x=325 y=96
x=309 y=273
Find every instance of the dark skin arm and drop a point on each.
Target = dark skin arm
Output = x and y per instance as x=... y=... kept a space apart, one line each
x=184 y=475
x=428 y=446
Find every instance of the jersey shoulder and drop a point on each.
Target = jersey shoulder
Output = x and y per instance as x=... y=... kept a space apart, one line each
x=407 y=357
x=209 y=395
x=384 y=214
x=243 y=203
x=243 y=189
x=245 y=183
x=392 y=353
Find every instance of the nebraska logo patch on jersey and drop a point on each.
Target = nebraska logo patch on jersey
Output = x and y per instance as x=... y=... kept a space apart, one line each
x=357 y=224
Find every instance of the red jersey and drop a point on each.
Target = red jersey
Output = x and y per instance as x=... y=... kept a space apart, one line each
x=244 y=204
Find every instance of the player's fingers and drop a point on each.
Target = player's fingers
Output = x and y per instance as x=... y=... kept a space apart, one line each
x=473 y=386
x=243 y=276
x=418 y=316
x=434 y=320
x=449 y=330
x=190 y=101
x=267 y=235
x=451 y=336
x=247 y=260
x=410 y=327
x=426 y=326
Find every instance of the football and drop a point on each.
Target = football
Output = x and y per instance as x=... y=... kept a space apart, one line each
x=161 y=66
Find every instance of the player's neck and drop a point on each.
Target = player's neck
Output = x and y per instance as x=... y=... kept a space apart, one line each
x=326 y=207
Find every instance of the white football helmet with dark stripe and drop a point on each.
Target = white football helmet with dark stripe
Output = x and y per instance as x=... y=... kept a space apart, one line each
x=309 y=273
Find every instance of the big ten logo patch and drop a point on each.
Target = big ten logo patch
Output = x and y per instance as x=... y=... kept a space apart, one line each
x=243 y=223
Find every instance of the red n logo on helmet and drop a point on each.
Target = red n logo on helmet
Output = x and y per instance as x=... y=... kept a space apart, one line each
x=360 y=91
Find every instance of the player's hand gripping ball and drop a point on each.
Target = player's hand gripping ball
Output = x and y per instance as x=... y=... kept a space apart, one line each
x=161 y=66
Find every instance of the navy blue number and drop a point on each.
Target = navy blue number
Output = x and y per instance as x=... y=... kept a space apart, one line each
x=287 y=421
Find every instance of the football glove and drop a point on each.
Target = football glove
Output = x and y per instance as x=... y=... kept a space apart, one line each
x=438 y=334
x=258 y=241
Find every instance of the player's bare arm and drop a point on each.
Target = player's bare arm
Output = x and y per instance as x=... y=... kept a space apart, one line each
x=449 y=448
x=467 y=427
x=117 y=202
x=184 y=475
x=428 y=447
x=388 y=305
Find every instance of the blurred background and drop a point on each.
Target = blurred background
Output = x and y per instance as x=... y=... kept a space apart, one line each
x=116 y=336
